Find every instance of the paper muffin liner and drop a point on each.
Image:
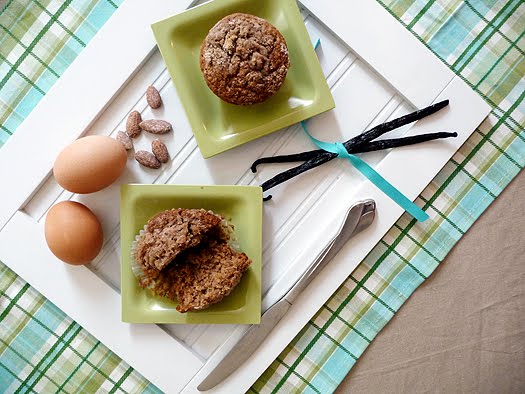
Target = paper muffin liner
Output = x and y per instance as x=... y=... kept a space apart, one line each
x=229 y=229
x=136 y=267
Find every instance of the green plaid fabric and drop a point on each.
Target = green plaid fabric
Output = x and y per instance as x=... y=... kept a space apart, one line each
x=482 y=41
x=38 y=41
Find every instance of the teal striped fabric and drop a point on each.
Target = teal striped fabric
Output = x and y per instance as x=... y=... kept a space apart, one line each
x=38 y=41
x=482 y=41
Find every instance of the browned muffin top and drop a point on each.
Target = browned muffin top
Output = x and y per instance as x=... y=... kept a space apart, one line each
x=244 y=59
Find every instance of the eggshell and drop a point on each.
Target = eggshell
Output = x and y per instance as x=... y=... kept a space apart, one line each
x=90 y=164
x=73 y=233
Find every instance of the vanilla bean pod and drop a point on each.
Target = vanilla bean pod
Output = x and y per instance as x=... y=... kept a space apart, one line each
x=368 y=147
x=293 y=172
x=304 y=156
x=403 y=141
x=383 y=128
x=324 y=156
x=359 y=140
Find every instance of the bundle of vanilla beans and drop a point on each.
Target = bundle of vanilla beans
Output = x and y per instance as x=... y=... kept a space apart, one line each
x=359 y=144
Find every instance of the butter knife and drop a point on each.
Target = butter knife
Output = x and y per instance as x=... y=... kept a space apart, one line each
x=357 y=218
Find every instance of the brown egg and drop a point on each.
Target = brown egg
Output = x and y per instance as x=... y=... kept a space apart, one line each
x=73 y=232
x=90 y=164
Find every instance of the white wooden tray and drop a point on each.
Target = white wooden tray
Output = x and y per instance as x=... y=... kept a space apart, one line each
x=377 y=71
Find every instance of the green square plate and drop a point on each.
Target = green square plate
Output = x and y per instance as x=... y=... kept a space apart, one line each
x=217 y=125
x=241 y=205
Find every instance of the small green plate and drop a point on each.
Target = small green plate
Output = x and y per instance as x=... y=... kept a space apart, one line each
x=217 y=125
x=241 y=205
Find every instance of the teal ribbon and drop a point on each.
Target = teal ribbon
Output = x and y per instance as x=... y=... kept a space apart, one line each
x=372 y=175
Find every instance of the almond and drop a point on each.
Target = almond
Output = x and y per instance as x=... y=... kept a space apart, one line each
x=133 y=124
x=160 y=151
x=153 y=97
x=124 y=139
x=155 y=126
x=147 y=159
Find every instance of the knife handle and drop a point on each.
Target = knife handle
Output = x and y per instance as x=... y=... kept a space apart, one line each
x=350 y=224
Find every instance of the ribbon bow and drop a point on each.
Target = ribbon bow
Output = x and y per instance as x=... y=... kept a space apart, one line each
x=372 y=175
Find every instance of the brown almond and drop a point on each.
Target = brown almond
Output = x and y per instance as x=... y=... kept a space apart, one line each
x=155 y=126
x=133 y=124
x=147 y=159
x=153 y=97
x=124 y=139
x=160 y=151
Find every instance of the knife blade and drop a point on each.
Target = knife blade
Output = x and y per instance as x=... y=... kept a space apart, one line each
x=358 y=217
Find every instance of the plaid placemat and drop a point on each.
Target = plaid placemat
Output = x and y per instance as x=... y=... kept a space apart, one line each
x=43 y=350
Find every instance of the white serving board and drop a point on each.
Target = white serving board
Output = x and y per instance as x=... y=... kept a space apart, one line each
x=377 y=71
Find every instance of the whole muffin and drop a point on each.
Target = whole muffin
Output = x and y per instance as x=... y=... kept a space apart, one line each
x=244 y=59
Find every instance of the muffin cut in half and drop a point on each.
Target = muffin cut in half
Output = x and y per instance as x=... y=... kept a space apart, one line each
x=205 y=269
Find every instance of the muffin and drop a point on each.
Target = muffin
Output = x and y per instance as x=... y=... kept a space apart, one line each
x=244 y=59
x=202 y=277
x=170 y=232
x=189 y=256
